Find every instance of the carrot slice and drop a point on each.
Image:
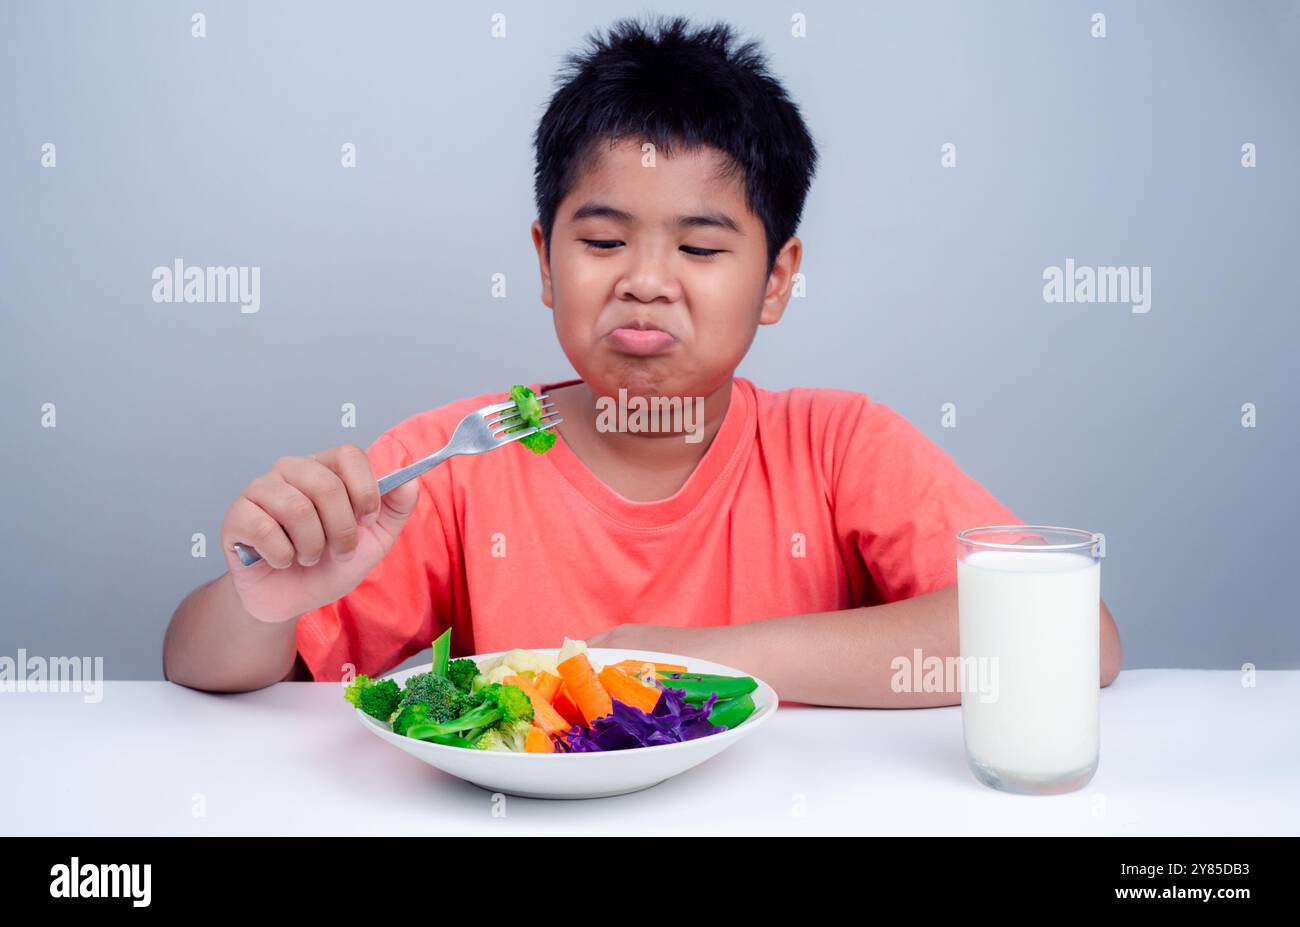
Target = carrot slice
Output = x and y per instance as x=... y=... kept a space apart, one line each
x=548 y=684
x=568 y=711
x=544 y=716
x=637 y=667
x=584 y=688
x=538 y=741
x=628 y=690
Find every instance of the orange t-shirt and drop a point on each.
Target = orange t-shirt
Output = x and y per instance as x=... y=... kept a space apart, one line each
x=808 y=500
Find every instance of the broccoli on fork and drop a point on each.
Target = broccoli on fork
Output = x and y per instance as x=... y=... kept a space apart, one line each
x=530 y=410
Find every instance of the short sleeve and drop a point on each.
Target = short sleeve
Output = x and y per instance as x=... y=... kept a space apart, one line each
x=401 y=605
x=899 y=501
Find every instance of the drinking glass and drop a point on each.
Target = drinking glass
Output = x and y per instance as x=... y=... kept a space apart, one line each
x=1029 y=606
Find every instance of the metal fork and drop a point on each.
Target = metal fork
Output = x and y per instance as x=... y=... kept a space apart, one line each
x=478 y=432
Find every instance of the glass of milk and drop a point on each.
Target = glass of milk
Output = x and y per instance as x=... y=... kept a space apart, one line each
x=1029 y=604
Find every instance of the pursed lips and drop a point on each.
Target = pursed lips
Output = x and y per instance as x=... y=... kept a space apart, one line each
x=641 y=325
x=640 y=337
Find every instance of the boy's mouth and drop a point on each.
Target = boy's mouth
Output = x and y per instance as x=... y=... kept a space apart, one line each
x=640 y=338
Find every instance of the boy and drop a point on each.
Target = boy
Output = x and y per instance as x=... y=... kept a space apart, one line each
x=805 y=536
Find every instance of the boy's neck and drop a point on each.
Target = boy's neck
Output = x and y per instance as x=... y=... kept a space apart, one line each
x=642 y=466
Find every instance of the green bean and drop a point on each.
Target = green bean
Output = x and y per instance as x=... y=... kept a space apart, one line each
x=700 y=687
x=677 y=675
x=732 y=712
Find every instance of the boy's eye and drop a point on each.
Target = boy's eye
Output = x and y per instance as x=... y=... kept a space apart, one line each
x=607 y=244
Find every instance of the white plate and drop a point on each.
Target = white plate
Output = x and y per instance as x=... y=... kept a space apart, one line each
x=582 y=775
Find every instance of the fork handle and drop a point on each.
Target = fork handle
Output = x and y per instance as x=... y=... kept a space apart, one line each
x=248 y=556
x=411 y=471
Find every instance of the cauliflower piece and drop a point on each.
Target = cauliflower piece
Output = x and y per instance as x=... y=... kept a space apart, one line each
x=570 y=648
x=529 y=661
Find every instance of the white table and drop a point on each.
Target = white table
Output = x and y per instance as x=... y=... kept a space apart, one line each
x=1183 y=752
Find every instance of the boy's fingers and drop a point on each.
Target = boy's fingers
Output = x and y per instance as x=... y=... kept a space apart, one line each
x=294 y=511
x=396 y=506
x=353 y=468
x=250 y=524
x=327 y=493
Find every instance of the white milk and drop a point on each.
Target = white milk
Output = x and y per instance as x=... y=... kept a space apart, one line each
x=1039 y=614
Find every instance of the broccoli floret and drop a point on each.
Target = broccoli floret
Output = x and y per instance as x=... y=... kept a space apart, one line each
x=515 y=704
x=499 y=705
x=529 y=406
x=463 y=673
x=492 y=740
x=377 y=698
x=539 y=442
x=507 y=736
x=530 y=411
x=408 y=715
x=437 y=693
x=472 y=698
x=353 y=692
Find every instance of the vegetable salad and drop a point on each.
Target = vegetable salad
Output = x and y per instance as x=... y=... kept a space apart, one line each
x=527 y=702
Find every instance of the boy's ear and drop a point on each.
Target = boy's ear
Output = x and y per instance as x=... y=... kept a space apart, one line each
x=539 y=242
x=781 y=281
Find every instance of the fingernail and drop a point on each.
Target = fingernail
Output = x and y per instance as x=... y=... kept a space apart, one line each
x=344 y=557
x=370 y=519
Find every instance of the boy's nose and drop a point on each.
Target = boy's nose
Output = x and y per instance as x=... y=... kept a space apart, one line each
x=650 y=277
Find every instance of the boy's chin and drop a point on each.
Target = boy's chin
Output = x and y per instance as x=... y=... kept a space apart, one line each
x=652 y=380
x=678 y=373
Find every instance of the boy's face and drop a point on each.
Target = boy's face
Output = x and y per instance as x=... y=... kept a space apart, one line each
x=657 y=275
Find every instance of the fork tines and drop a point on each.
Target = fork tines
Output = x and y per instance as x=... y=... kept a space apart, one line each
x=505 y=415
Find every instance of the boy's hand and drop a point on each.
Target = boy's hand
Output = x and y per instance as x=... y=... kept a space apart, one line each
x=320 y=526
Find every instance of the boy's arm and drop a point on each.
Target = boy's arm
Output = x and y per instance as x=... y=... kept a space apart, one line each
x=214 y=644
x=839 y=658
x=320 y=526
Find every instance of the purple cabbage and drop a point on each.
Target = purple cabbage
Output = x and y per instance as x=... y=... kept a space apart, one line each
x=672 y=721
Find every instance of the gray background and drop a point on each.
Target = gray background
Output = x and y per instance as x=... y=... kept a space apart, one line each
x=924 y=283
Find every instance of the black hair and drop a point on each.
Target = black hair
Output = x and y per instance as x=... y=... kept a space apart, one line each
x=669 y=83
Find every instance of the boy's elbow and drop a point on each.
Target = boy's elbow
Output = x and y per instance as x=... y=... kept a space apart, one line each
x=1112 y=653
